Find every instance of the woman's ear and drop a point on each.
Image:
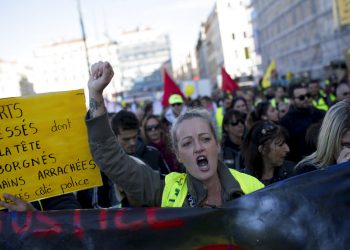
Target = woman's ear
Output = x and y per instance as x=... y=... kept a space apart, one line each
x=260 y=149
x=177 y=156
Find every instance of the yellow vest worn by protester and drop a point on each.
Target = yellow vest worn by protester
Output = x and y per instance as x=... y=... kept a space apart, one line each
x=175 y=190
x=320 y=104
x=219 y=117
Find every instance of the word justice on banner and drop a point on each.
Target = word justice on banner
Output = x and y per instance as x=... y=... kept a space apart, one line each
x=308 y=211
x=44 y=149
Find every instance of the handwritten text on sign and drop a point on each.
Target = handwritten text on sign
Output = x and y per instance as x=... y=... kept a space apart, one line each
x=44 y=148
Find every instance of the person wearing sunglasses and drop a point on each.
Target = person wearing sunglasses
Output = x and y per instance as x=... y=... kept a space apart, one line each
x=156 y=136
x=233 y=128
x=207 y=182
x=300 y=116
x=264 y=151
x=177 y=107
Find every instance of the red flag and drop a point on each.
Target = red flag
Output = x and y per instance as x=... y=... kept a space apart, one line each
x=228 y=84
x=170 y=88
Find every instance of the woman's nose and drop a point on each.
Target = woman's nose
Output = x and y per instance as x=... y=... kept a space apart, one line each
x=198 y=147
x=286 y=147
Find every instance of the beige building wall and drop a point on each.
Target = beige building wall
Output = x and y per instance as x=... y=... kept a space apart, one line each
x=299 y=34
x=63 y=66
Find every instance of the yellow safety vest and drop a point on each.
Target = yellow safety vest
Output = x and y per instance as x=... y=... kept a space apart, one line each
x=274 y=102
x=219 y=117
x=175 y=190
x=320 y=104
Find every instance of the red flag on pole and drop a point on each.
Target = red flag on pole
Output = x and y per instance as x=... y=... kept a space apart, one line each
x=228 y=84
x=170 y=88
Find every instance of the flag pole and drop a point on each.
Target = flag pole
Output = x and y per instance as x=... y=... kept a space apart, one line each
x=83 y=34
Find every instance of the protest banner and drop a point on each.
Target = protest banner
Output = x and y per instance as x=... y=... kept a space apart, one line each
x=309 y=211
x=44 y=148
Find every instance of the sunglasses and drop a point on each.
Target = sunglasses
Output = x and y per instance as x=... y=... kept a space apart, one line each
x=236 y=122
x=303 y=97
x=152 y=128
x=346 y=93
x=176 y=104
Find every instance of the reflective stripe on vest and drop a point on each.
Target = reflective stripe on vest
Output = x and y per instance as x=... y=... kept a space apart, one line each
x=175 y=190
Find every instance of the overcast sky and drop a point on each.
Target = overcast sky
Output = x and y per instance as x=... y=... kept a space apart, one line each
x=28 y=24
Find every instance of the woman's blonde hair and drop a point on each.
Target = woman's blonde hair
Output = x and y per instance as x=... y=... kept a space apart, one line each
x=335 y=124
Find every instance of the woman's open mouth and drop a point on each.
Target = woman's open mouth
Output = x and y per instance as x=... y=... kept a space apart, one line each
x=202 y=163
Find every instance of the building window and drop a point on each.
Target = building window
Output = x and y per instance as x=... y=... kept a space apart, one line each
x=233 y=36
x=246 y=53
x=244 y=34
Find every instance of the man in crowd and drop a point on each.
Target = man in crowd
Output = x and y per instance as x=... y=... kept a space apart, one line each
x=177 y=107
x=300 y=116
x=319 y=99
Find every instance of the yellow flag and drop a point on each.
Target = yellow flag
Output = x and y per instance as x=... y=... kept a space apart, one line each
x=266 y=80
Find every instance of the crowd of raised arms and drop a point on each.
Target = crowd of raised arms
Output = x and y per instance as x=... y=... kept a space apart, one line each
x=208 y=151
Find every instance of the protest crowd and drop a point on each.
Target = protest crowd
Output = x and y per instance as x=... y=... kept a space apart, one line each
x=207 y=151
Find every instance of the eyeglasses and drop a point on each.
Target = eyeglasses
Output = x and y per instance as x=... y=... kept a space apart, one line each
x=176 y=104
x=236 y=122
x=152 y=128
x=303 y=97
x=267 y=128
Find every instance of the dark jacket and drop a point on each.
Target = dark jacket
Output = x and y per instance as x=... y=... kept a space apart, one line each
x=61 y=202
x=297 y=121
x=168 y=156
x=304 y=168
x=231 y=155
x=280 y=173
x=151 y=156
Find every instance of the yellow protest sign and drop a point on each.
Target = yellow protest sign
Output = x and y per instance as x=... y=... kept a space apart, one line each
x=44 y=148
